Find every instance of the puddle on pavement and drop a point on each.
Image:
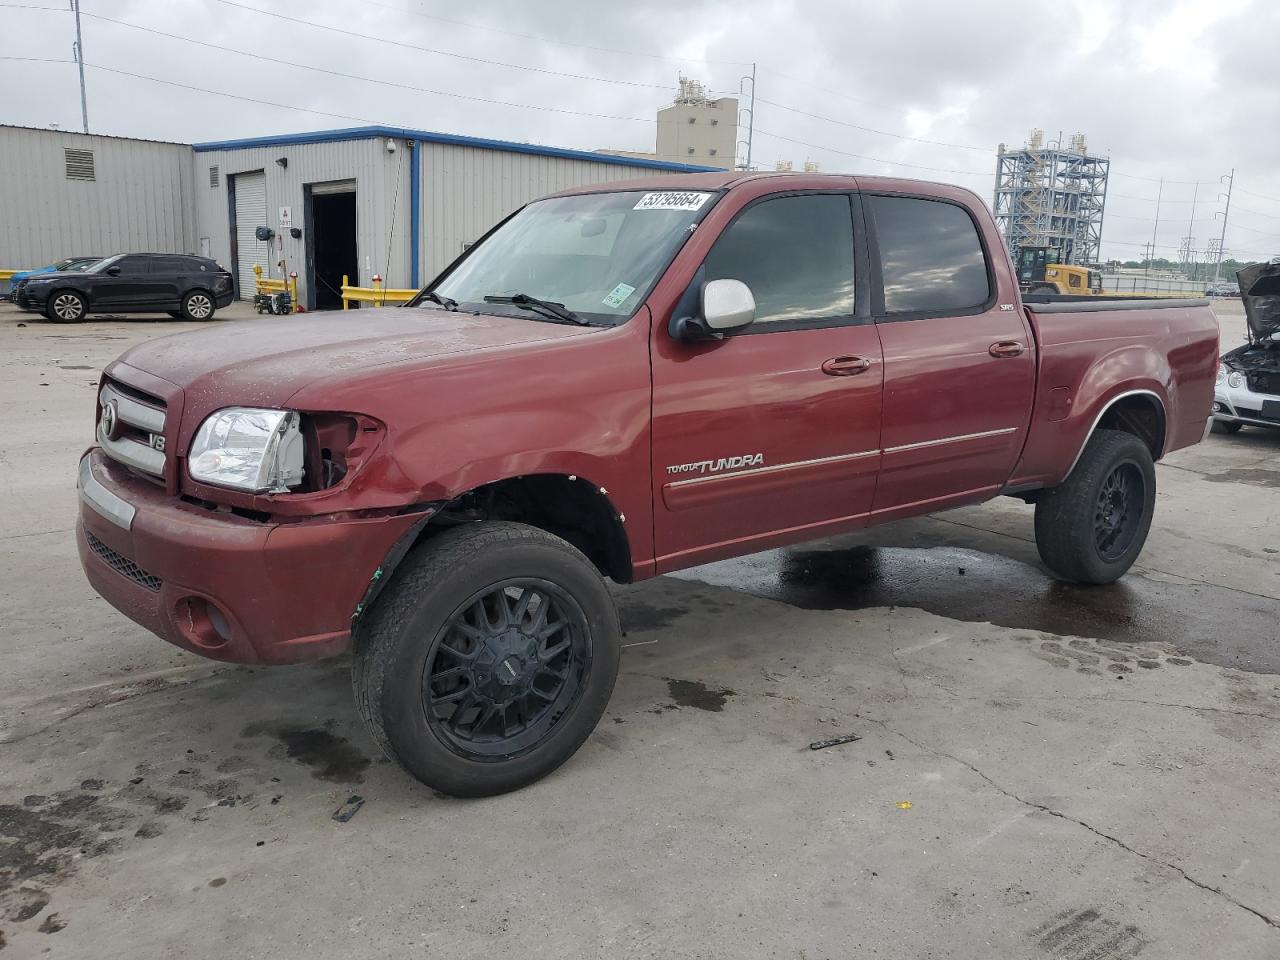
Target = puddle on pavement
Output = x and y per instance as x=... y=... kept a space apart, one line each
x=693 y=693
x=1212 y=624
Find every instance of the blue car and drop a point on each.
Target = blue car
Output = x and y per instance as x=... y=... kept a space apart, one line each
x=71 y=263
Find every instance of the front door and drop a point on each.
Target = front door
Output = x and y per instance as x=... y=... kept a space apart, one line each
x=129 y=288
x=771 y=435
x=959 y=359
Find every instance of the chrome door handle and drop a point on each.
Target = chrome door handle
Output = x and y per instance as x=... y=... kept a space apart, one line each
x=1006 y=348
x=845 y=366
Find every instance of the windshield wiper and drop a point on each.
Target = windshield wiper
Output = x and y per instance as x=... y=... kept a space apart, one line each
x=550 y=309
x=447 y=302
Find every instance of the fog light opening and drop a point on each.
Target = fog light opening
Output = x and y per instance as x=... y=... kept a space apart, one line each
x=202 y=623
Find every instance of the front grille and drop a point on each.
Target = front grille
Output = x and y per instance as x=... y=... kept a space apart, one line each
x=1262 y=381
x=122 y=564
x=132 y=432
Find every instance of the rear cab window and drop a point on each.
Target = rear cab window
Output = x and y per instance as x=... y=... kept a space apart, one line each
x=932 y=261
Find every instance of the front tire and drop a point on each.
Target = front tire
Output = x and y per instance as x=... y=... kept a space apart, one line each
x=1227 y=426
x=197 y=306
x=1092 y=527
x=488 y=659
x=66 y=306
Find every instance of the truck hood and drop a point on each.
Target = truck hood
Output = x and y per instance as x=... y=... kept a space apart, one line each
x=1260 y=291
x=265 y=362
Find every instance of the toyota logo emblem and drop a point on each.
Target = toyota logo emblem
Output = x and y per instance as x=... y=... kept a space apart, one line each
x=110 y=420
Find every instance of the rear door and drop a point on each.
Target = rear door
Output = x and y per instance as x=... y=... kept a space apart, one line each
x=170 y=278
x=772 y=434
x=959 y=359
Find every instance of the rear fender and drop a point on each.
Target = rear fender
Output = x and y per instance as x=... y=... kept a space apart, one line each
x=1059 y=431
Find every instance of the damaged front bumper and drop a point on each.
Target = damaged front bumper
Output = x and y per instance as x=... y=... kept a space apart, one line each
x=224 y=586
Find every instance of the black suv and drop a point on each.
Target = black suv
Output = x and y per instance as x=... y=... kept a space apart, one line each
x=183 y=286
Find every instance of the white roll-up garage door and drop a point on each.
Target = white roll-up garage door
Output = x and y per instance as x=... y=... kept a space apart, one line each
x=251 y=213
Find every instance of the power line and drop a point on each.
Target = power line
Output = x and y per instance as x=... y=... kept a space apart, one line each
x=442 y=53
x=859 y=156
x=882 y=133
x=352 y=76
x=561 y=43
x=1260 y=196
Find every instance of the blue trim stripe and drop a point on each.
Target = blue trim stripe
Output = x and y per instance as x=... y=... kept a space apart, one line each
x=427 y=136
x=415 y=217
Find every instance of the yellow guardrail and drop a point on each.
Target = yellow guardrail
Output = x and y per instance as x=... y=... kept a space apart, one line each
x=377 y=294
x=6 y=275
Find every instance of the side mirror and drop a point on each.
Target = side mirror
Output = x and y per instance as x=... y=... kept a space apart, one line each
x=113 y=271
x=727 y=305
x=723 y=306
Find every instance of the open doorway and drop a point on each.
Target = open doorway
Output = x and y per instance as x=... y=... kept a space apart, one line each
x=331 y=242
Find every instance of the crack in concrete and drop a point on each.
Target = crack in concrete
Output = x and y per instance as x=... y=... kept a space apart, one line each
x=1207 y=887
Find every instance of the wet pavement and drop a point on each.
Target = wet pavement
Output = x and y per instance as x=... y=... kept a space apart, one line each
x=1211 y=623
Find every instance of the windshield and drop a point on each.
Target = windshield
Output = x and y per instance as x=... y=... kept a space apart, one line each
x=598 y=254
x=102 y=265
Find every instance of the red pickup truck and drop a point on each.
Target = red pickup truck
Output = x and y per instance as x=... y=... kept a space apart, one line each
x=616 y=381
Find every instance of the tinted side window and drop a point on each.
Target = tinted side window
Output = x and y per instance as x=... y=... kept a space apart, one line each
x=930 y=256
x=796 y=255
x=132 y=266
x=173 y=265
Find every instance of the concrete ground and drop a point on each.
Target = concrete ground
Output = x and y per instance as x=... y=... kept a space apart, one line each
x=1043 y=770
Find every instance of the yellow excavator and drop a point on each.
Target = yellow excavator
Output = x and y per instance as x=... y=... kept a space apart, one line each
x=1036 y=274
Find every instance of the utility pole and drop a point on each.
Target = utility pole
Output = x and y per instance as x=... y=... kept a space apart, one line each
x=78 y=49
x=751 y=113
x=1222 y=240
x=1155 y=229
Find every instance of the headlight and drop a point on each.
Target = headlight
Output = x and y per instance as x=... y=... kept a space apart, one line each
x=1222 y=375
x=1235 y=379
x=248 y=449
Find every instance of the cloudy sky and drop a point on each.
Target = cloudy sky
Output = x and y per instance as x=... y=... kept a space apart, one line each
x=1180 y=90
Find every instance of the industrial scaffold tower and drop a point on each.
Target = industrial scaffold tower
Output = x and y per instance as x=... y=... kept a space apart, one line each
x=1052 y=196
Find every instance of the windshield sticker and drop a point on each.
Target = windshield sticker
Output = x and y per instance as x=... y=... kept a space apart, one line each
x=672 y=200
x=618 y=295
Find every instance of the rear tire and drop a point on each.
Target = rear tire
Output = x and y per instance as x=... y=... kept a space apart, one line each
x=198 y=306
x=1227 y=426
x=66 y=306
x=1092 y=527
x=488 y=659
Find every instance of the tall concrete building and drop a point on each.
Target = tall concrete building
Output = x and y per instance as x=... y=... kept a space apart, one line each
x=697 y=129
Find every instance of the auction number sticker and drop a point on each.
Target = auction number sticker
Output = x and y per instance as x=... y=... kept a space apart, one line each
x=672 y=200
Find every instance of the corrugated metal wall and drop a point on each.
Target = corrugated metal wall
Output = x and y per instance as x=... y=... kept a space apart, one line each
x=139 y=200
x=466 y=190
x=375 y=171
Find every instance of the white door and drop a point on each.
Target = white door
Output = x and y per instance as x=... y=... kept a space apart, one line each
x=251 y=213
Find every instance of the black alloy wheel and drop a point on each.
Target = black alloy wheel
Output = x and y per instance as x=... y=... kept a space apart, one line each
x=509 y=663
x=1118 y=513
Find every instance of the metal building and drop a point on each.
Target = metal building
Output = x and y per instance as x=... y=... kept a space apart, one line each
x=401 y=204
x=66 y=194
x=396 y=203
x=1052 y=196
